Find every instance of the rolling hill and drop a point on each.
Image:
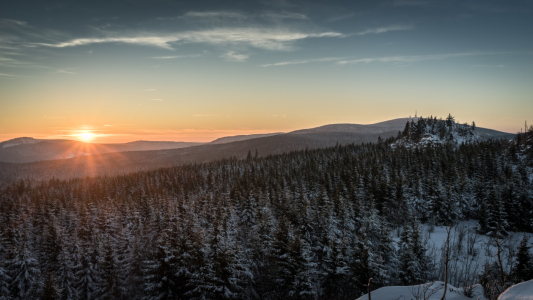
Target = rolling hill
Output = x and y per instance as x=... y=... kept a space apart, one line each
x=116 y=163
x=27 y=149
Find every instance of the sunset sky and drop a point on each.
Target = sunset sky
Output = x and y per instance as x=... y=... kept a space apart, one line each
x=199 y=70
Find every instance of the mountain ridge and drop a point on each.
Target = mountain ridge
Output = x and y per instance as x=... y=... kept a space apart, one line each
x=118 y=163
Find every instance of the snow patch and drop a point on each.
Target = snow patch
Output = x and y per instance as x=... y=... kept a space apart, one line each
x=417 y=292
x=521 y=291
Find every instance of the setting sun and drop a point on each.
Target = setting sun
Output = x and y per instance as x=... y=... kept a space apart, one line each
x=86 y=136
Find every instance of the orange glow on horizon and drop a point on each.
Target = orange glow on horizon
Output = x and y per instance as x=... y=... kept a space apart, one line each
x=86 y=136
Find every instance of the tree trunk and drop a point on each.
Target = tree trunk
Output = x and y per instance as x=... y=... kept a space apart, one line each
x=368 y=289
x=446 y=259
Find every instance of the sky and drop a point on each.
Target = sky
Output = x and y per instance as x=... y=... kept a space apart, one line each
x=198 y=70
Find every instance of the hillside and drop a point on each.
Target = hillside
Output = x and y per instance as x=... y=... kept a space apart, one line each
x=236 y=138
x=320 y=222
x=26 y=149
x=110 y=164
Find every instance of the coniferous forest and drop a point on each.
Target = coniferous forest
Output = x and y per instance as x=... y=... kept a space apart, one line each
x=310 y=224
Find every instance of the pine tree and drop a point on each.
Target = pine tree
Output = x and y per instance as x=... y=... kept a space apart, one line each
x=51 y=247
x=4 y=283
x=87 y=277
x=50 y=290
x=65 y=275
x=337 y=271
x=110 y=286
x=227 y=275
x=301 y=268
x=362 y=265
x=386 y=261
x=413 y=264
x=23 y=271
x=523 y=269
x=283 y=276
x=160 y=279
x=495 y=218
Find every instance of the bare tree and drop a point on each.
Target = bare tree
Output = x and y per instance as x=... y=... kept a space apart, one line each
x=446 y=259
x=368 y=288
x=424 y=291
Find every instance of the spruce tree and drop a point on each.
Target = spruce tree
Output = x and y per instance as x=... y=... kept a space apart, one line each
x=24 y=271
x=50 y=290
x=523 y=269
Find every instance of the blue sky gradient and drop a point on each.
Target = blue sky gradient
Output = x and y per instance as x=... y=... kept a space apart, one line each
x=195 y=71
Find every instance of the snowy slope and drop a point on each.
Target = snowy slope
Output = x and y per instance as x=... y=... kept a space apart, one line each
x=521 y=291
x=417 y=292
x=464 y=263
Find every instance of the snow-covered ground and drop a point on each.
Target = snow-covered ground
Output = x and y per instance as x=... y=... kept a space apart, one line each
x=424 y=291
x=469 y=252
x=521 y=291
x=434 y=291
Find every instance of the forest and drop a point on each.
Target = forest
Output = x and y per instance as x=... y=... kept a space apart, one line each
x=310 y=224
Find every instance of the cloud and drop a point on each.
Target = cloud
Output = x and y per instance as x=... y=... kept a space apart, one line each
x=385 y=29
x=175 y=56
x=264 y=38
x=12 y=62
x=284 y=15
x=232 y=56
x=409 y=59
x=303 y=61
x=214 y=14
x=10 y=75
x=149 y=90
x=13 y=32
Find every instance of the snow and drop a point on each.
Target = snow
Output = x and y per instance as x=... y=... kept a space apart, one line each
x=485 y=250
x=482 y=253
x=417 y=291
x=20 y=141
x=521 y=291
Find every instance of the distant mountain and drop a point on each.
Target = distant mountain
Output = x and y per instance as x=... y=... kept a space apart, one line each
x=110 y=164
x=387 y=126
x=27 y=149
x=236 y=138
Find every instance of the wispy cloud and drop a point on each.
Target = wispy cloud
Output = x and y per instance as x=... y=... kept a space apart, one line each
x=12 y=32
x=410 y=59
x=232 y=56
x=214 y=14
x=7 y=61
x=284 y=15
x=175 y=56
x=265 y=38
x=303 y=61
x=10 y=75
x=385 y=29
